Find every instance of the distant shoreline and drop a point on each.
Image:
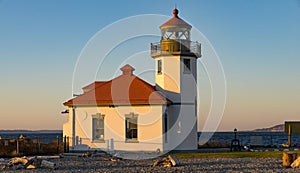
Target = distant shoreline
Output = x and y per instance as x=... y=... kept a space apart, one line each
x=29 y=131
x=276 y=128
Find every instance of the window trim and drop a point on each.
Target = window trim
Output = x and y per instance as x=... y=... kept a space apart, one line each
x=98 y=116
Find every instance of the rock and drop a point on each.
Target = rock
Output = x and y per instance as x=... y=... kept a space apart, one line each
x=116 y=157
x=296 y=163
x=30 y=167
x=173 y=160
x=47 y=164
x=18 y=167
x=85 y=155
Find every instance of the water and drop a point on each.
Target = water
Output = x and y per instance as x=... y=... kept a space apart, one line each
x=30 y=135
x=253 y=138
x=246 y=138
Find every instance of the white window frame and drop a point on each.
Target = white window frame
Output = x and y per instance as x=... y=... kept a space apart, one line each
x=99 y=117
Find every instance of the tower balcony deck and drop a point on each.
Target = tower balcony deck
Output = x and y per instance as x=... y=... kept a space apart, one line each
x=176 y=47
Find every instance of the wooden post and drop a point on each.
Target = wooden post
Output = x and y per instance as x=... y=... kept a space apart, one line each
x=39 y=145
x=288 y=158
x=289 y=136
x=68 y=144
x=57 y=144
x=65 y=144
x=17 y=147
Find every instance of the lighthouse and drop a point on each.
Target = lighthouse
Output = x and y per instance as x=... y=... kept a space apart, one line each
x=128 y=114
x=176 y=78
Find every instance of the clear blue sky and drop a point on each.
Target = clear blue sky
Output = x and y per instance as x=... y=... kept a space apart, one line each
x=257 y=41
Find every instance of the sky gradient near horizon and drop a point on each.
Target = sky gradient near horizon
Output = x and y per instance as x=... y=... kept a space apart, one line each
x=257 y=42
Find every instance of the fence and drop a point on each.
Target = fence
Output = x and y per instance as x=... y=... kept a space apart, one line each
x=262 y=139
x=33 y=146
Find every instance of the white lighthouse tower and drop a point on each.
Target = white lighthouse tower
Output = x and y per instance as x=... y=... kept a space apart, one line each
x=176 y=77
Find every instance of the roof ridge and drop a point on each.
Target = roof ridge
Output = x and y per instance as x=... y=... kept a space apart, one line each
x=106 y=82
x=142 y=92
x=94 y=83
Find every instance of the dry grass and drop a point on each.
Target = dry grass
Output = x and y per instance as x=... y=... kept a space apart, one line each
x=268 y=154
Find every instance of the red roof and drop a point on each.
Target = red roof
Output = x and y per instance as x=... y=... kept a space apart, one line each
x=175 y=21
x=125 y=89
x=93 y=86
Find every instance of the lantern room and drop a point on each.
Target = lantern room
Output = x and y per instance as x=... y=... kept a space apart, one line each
x=175 y=28
x=176 y=39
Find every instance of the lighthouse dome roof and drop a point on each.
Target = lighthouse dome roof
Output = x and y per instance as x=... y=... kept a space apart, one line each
x=175 y=21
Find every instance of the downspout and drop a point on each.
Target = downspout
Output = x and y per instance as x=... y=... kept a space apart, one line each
x=73 y=126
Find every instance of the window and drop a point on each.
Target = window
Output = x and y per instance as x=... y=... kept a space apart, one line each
x=131 y=127
x=159 y=66
x=187 y=65
x=166 y=127
x=98 y=127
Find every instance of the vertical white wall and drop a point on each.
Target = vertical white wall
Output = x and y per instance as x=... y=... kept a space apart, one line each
x=181 y=88
x=149 y=127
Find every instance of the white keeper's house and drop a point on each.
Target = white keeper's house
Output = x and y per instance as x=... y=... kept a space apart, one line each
x=128 y=114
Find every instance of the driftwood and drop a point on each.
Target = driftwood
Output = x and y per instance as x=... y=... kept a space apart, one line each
x=104 y=156
x=169 y=161
x=70 y=154
x=173 y=160
x=288 y=158
x=17 y=160
x=157 y=162
x=94 y=154
x=30 y=162
x=296 y=163
x=48 y=157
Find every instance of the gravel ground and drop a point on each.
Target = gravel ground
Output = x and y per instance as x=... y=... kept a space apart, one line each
x=99 y=164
